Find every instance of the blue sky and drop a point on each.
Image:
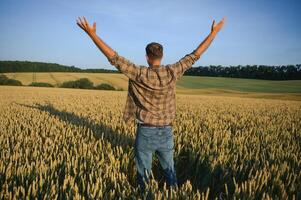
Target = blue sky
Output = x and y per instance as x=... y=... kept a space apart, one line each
x=256 y=32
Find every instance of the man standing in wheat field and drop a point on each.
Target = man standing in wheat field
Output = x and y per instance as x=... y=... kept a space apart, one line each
x=151 y=100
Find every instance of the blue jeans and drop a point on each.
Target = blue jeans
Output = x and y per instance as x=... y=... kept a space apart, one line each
x=154 y=139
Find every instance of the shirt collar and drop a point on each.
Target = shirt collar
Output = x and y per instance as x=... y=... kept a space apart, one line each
x=155 y=66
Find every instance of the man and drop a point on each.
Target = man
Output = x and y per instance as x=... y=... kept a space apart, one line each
x=151 y=100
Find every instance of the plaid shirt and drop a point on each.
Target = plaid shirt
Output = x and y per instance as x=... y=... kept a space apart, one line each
x=151 y=90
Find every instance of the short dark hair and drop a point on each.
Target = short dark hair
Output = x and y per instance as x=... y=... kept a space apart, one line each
x=154 y=50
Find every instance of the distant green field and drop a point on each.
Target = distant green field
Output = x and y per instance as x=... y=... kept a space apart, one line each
x=239 y=84
x=186 y=85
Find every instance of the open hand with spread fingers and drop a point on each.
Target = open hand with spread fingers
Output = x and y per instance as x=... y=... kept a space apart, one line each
x=83 y=24
x=91 y=31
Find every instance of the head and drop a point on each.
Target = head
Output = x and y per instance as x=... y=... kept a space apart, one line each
x=154 y=53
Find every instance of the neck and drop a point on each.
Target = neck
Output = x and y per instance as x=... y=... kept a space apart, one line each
x=157 y=62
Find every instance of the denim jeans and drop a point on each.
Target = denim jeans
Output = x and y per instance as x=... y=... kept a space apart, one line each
x=161 y=141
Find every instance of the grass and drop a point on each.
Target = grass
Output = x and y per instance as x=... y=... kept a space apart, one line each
x=220 y=86
x=239 y=84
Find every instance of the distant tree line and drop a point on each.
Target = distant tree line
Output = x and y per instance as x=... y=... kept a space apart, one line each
x=26 y=66
x=284 y=72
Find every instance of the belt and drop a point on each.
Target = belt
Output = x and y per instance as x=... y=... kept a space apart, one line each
x=152 y=125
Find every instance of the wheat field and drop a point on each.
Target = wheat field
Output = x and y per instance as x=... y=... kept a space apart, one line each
x=72 y=144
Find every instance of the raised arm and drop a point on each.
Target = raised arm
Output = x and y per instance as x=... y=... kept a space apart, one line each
x=91 y=31
x=122 y=64
x=188 y=60
x=215 y=28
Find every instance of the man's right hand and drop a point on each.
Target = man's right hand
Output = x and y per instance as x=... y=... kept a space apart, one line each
x=83 y=24
x=215 y=28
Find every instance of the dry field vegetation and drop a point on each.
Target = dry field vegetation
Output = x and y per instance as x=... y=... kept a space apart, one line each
x=68 y=143
x=253 y=88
